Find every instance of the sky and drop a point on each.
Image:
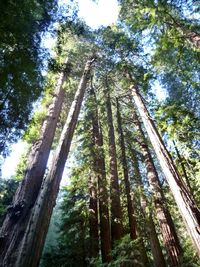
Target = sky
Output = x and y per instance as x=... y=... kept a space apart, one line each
x=95 y=14
x=102 y=13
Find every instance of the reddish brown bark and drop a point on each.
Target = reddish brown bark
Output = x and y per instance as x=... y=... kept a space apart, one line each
x=99 y=166
x=185 y=202
x=130 y=208
x=158 y=257
x=168 y=231
x=19 y=213
x=34 y=237
x=93 y=218
x=116 y=215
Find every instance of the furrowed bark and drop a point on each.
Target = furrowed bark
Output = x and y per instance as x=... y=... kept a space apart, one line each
x=130 y=208
x=116 y=215
x=18 y=214
x=99 y=167
x=93 y=218
x=187 y=206
x=168 y=231
x=158 y=257
x=34 y=237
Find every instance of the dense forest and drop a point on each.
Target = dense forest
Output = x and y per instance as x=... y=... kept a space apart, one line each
x=92 y=115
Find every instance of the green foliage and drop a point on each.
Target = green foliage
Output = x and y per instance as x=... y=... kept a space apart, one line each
x=190 y=257
x=126 y=252
x=72 y=249
x=21 y=63
x=124 y=57
x=7 y=190
x=179 y=122
x=21 y=166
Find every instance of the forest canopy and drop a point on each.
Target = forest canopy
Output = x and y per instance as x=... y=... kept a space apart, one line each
x=92 y=114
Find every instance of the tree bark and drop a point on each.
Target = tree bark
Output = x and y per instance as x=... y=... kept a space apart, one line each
x=168 y=231
x=99 y=167
x=116 y=215
x=130 y=207
x=19 y=213
x=93 y=218
x=34 y=236
x=185 y=202
x=193 y=38
x=158 y=257
x=181 y=161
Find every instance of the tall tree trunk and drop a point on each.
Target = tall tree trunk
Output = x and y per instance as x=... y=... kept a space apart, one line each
x=19 y=213
x=130 y=208
x=99 y=167
x=34 y=237
x=116 y=214
x=93 y=218
x=168 y=231
x=181 y=161
x=185 y=202
x=158 y=257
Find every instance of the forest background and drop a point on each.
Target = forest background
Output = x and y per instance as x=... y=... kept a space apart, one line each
x=119 y=202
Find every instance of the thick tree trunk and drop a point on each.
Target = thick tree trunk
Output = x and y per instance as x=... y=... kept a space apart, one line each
x=130 y=208
x=19 y=213
x=185 y=202
x=99 y=167
x=168 y=231
x=116 y=215
x=34 y=237
x=158 y=257
x=93 y=218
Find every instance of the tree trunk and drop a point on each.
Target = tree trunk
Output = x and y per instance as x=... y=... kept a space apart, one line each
x=93 y=205
x=93 y=218
x=19 y=213
x=116 y=215
x=181 y=161
x=99 y=167
x=34 y=237
x=185 y=202
x=158 y=257
x=168 y=231
x=130 y=208
x=193 y=38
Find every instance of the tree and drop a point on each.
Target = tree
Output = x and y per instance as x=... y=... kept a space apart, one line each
x=100 y=171
x=168 y=231
x=148 y=217
x=21 y=63
x=130 y=208
x=71 y=217
x=93 y=219
x=116 y=216
x=162 y=18
x=43 y=207
x=7 y=189
x=19 y=213
x=185 y=202
x=181 y=127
